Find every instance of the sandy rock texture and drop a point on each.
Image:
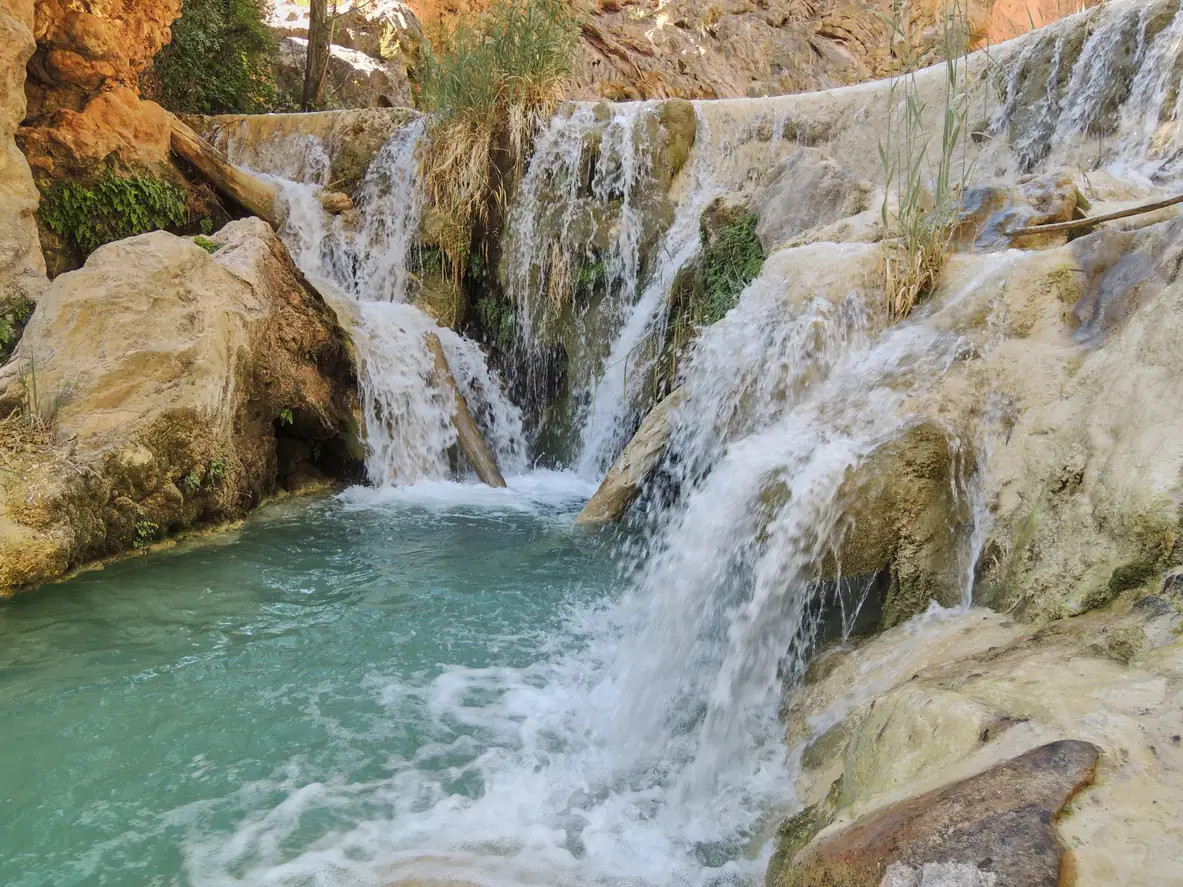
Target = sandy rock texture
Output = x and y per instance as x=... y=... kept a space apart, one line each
x=83 y=84
x=171 y=388
x=22 y=267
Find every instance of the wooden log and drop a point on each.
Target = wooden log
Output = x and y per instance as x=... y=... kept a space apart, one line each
x=472 y=442
x=634 y=466
x=256 y=196
x=1089 y=222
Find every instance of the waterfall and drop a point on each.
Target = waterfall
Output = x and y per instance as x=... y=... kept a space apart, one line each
x=364 y=264
x=614 y=393
x=786 y=397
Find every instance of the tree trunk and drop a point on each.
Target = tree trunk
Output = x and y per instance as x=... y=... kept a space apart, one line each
x=256 y=196
x=471 y=439
x=316 y=65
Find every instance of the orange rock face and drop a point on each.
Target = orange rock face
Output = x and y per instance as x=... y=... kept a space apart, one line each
x=643 y=49
x=83 y=84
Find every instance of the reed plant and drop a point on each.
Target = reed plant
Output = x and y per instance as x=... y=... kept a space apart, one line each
x=926 y=178
x=488 y=84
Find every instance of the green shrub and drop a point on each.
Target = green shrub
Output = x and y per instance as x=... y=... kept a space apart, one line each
x=490 y=83
x=191 y=483
x=732 y=258
x=146 y=533
x=221 y=60
x=112 y=208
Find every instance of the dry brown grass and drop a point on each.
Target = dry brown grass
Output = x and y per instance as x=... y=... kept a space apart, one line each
x=912 y=269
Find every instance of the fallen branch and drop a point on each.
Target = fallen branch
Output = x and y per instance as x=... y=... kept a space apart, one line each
x=471 y=440
x=1097 y=220
x=256 y=196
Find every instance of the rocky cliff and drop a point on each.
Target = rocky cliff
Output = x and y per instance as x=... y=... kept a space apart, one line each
x=22 y=267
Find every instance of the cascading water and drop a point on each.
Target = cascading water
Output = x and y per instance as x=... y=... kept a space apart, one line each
x=408 y=418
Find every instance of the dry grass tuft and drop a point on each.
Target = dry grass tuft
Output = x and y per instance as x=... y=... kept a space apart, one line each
x=912 y=269
x=490 y=84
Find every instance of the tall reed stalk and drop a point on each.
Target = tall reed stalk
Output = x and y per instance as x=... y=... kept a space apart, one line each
x=928 y=179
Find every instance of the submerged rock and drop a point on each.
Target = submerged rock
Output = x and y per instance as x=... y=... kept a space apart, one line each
x=161 y=387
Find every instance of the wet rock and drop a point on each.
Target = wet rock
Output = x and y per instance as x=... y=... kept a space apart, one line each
x=322 y=147
x=1000 y=822
x=165 y=377
x=806 y=190
x=634 y=466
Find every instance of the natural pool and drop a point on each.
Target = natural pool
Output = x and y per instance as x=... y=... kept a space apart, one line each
x=350 y=690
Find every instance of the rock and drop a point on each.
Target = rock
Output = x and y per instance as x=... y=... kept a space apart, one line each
x=22 y=267
x=897 y=730
x=84 y=85
x=168 y=376
x=354 y=80
x=988 y=213
x=1086 y=475
x=634 y=466
x=1000 y=822
x=385 y=30
x=806 y=190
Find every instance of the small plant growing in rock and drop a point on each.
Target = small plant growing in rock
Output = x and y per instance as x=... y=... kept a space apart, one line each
x=206 y=244
x=111 y=208
x=191 y=483
x=286 y=417
x=216 y=471
x=146 y=533
x=13 y=318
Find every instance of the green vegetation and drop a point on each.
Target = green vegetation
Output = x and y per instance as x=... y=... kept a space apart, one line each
x=497 y=319
x=216 y=471
x=146 y=533
x=191 y=483
x=206 y=244
x=285 y=416
x=732 y=258
x=113 y=207
x=490 y=84
x=221 y=60
x=13 y=318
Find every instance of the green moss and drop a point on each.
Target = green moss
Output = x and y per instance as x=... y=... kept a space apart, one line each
x=732 y=258
x=498 y=321
x=206 y=244
x=113 y=207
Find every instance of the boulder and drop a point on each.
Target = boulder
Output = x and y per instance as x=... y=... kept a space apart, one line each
x=1000 y=823
x=634 y=466
x=957 y=739
x=162 y=387
x=354 y=80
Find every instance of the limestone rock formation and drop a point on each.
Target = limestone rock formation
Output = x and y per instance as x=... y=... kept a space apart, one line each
x=22 y=267
x=898 y=737
x=323 y=148
x=162 y=387
x=83 y=88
